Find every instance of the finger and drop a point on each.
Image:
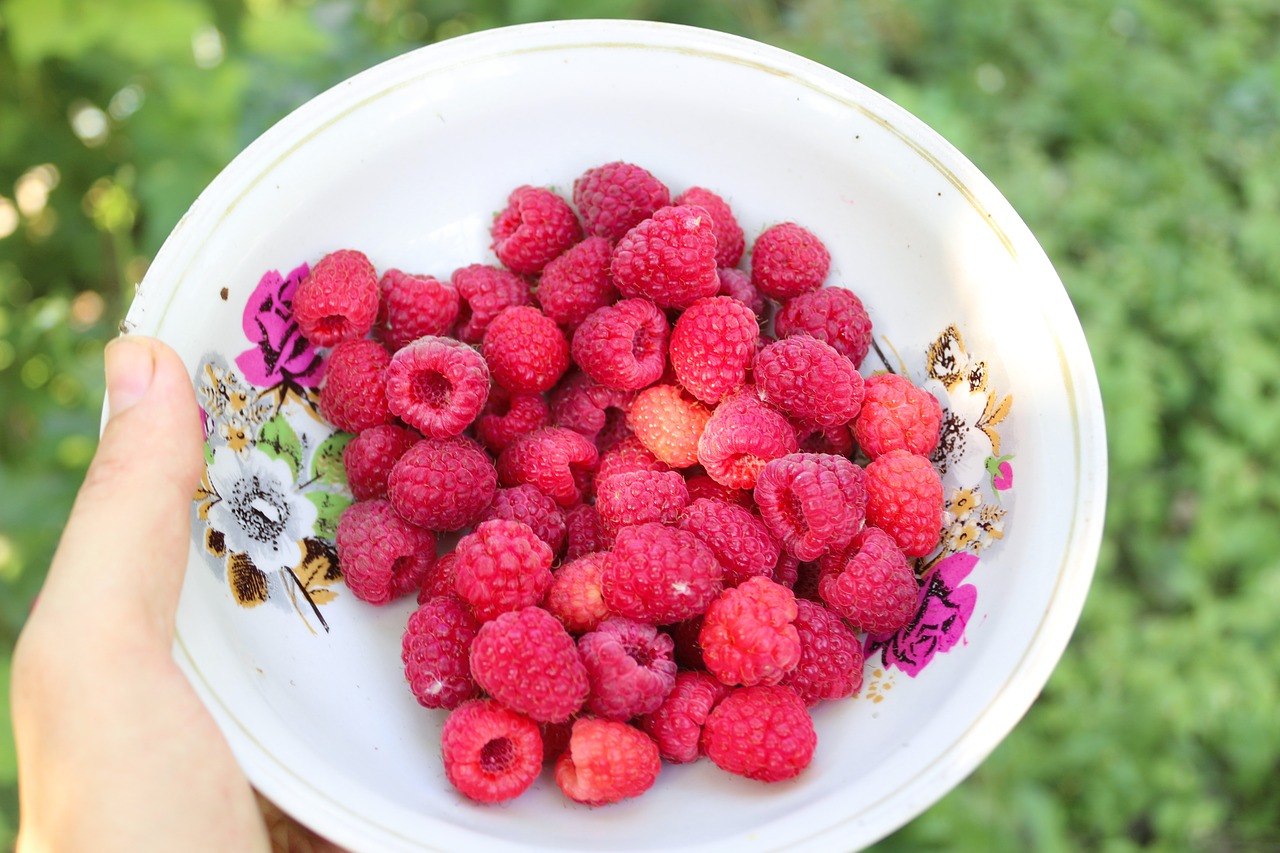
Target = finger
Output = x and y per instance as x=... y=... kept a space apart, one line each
x=124 y=549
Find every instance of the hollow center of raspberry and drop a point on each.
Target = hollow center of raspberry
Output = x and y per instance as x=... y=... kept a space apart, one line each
x=793 y=511
x=333 y=325
x=642 y=655
x=643 y=343
x=401 y=565
x=432 y=388
x=497 y=755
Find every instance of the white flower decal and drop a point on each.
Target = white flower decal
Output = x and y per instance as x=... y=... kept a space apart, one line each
x=257 y=509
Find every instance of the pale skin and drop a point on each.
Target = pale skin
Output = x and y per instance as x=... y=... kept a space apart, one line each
x=115 y=750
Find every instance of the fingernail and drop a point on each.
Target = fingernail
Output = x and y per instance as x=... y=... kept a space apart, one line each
x=130 y=366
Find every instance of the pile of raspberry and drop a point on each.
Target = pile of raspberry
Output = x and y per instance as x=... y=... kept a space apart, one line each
x=671 y=526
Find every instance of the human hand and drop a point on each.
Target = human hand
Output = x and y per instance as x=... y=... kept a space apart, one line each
x=115 y=750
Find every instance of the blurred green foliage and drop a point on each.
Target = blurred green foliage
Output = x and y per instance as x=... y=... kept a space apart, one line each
x=1136 y=137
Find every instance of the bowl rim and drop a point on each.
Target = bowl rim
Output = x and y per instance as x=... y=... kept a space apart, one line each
x=1075 y=571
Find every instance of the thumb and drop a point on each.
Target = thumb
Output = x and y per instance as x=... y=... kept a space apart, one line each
x=123 y=552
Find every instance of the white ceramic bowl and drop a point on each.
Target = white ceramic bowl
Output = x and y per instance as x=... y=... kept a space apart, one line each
x=408 y=162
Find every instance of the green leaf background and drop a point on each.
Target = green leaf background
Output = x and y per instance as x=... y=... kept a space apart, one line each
x=1137 y=138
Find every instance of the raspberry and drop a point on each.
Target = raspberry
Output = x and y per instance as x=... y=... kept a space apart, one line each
x=508 y=416
x=627 y=456
x=812 y=502
x=636 y=497
x=730 y=240
x=527 y=661
x=788 y=260
x=485 y=292
x=536 y=226
x=809 y=380
x=526 y=351
x=702 y=486
x=747 y=636
x=369 y=457
x=606 y=762
x=443 y=483
x=660 y=575
x=382 y=556
x=623 y=345
x=584 y=405
x=896 y=415
x=831 y=660
x=578 y=282
x=630 y=667
x=526 y=504
x=833 y=315
x=439 y=580
x=437 y=385
x=436 y=651
x=740 y=540
x=501 y=566
x=338 y=300
x=491 y=753
x=557 y=461
x=415 y=305
x=616 y=197
x=669 y=424
x=760 y=732
x=873 y=587
x=712 y=347
x=574 y=596
x=737 y=284
x=353 y=395
x=904 y=499
x=677 y=725
x=669 y=258
x=584 y=532
x=742 y=435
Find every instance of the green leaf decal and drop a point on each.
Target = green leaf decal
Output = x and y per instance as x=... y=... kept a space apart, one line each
x=279 y=441
x=329 y=505
x=326 y=465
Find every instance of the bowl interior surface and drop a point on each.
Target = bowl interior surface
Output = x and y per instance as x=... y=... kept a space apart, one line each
x=408 y=163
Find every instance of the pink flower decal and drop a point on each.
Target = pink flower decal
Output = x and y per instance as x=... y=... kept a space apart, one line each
x=1003 y=478
x=941 y=616
x=281 y=358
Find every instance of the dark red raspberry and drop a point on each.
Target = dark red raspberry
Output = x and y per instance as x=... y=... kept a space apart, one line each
x=669 y=423
x=436 y=652
x=730 y=240
x=578 y=282
x=740 y=540
x=382 y=556
x=742 y=435
x=676 y=727
x=760 y=732
x=831 y=660
x=812 y=502
x=501 y=566
x=491 y=754
x=788 y=260
x=415 y=305
x=527 y=661
x=338 y=300
x=353 y=395
x=555 y=740
x=637 y=497
x=712 y=347
x=526 y=351
x=584 y=405
x=508 y=416
x=616 y=197
x=606 y=761
x=443 y=483
x=584 y=532
x=809 y=380
x=833 y=315
x=896 y=415
x=630 y=667
x=485 y=292
x=526 y=504
x=369 y=457
x=669 y=258
x=904 y=499
x=558 y=461
x=439 y=580
x=660 y=575
x=702 y=486
x=623 y=345
x=837 y=440
x=536 y=226
x=437 y=385
x=737 y=284
x=574 y=596
x=873 y=587
x=688 y=646
x=747 y=636
x=806 y=574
